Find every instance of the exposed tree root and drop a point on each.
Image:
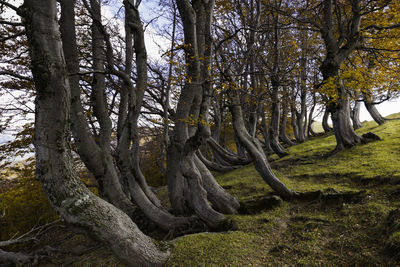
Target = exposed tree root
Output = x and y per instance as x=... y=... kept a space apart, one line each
x=258 y=205
x=331 y=196
x=369 y=137
x=308 y=219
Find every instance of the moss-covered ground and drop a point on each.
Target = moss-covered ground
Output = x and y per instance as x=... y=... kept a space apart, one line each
x=312 y=233
x=356 y=232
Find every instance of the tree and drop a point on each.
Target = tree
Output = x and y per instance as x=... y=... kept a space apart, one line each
x=55 y=168
x=190 y=183
x=98 y=156
x=342 y=29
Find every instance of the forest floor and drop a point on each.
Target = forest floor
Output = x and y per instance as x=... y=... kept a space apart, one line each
x=361 y=227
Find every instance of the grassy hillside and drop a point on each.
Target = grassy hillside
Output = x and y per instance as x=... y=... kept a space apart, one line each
x=314 y=232
x=363 y=230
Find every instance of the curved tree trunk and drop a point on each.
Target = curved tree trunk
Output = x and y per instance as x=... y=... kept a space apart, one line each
x=255 y=150
x=295 y=128
x=268 y=148
x=310 y=131
x=215 y=166
x=325 y=124
x=227 y=155
x=355 y=115
x=340 y=109
x=373 y=111
x=97 y=159
x=128 y=144
x=221 y=200
x=274 y=128
x=187 y=180
x=54 y=164
x=335 y=55
x=342 y=128
x=282 y=132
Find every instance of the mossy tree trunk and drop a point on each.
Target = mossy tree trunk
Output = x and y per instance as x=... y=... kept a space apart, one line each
x=190 y=184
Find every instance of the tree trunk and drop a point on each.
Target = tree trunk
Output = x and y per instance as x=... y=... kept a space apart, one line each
x=338 y=104
x=187 y=180
x=342 y=128
x=275 y=82
x=217 y=117
x=54 y=164
x=255 y=150
x=268 y=148
x=274 y=127
x=214 y=166
x=325 y=124
x=371 y=107
x=339 y=108
x=310 y=131
x=295 y=128
x=97 y=159
x=221 y=200
x=355 y=115
x=282 y=133
x=226 y=155
x=301 y=117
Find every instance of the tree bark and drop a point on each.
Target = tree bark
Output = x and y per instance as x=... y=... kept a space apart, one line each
x=295 y=127
x=227 y=156
x=336 y=53
x=275 y=107
x=214 y=166
x=97 y=159
x=282 y=132
x=355 y=115
x=371 y=107
x=274 y=126
x=268 y=148
x=340 y=109
x=325 y=124
x=254 y=148
x=310 y=131
x=187 y=180
x=54 y=165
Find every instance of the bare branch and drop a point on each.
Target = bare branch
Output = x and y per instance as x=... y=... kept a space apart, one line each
x=12 y=36
x=11 y=23
x=16 y=75
x=9 y=5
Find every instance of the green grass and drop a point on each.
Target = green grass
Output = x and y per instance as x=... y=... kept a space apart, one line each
x=311 y=233
x=298 y=233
